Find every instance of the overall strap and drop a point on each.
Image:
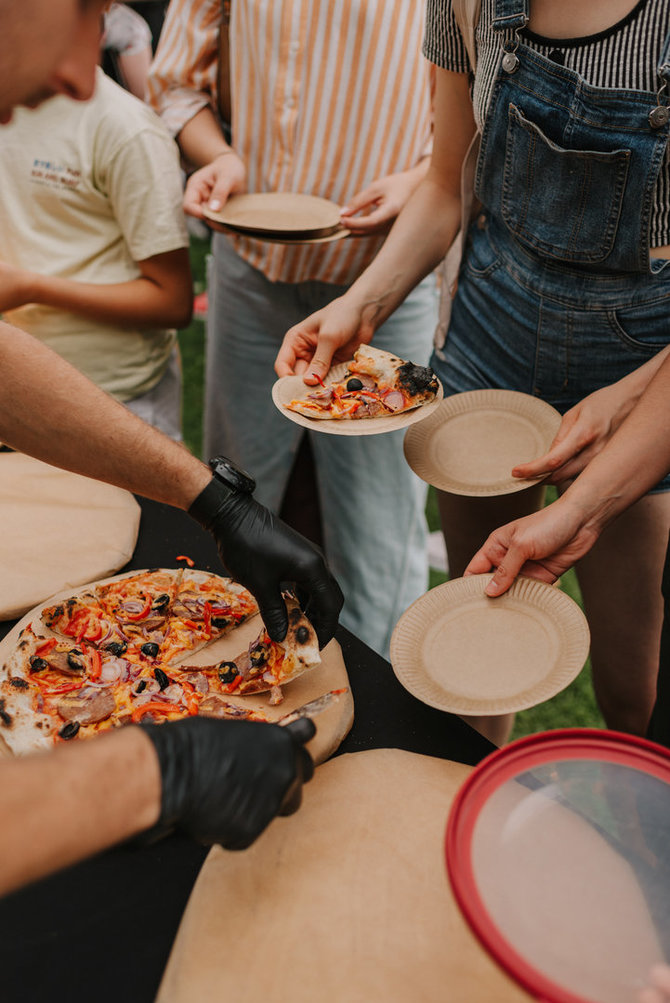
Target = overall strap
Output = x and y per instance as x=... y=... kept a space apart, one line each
x=510 y=15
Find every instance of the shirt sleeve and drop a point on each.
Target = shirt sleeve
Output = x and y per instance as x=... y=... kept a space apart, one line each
x=183 y=75
x=143 y=183
x=443 y=43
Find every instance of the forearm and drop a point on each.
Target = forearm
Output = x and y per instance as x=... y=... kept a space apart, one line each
x=635 y=459
x=62 y=806
x=417 y=242
x=52 y=412
x=201 y=140
x=140 y=303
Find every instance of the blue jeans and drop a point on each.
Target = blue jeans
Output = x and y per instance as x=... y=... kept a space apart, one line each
x=555 y=332
x=372 y=504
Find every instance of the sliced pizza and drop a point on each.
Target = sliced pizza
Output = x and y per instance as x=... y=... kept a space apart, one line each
x=376 y=384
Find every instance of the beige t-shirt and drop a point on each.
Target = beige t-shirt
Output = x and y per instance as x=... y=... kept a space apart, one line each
x=89 y=189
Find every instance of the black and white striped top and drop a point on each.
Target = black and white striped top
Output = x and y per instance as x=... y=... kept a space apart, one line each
x=625 y=55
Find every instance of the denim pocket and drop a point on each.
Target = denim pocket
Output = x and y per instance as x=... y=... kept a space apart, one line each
x=565 y=204
x=644 y=329
x=481 y=257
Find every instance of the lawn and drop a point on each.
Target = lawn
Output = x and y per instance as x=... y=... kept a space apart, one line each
x=574 y=707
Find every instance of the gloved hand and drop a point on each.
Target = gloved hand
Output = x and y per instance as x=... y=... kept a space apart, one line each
x=264 y=554
x=224 y=781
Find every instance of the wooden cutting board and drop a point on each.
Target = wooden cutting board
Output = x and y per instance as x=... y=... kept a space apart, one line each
x=346 y=901
x=58 y=530
x=332 y=724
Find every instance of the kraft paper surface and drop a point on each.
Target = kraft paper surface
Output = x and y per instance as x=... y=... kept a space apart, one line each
x=58 y=530
x=347 y=901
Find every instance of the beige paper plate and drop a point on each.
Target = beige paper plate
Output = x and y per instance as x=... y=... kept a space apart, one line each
x=282 y=214
x=290 y=388
x=473 y=440
x=460 y=651
x=332 y=724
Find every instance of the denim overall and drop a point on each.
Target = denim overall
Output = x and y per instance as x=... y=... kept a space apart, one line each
x=557 y=295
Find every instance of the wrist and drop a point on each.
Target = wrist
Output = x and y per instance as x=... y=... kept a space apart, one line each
x=228 y=482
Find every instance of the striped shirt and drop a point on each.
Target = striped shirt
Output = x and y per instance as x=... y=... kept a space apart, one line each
x=326 y=97
x=624 y=56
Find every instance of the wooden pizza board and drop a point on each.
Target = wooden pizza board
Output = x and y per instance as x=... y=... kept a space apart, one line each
x=347 y=901
x=332 y=724
x=58 y=530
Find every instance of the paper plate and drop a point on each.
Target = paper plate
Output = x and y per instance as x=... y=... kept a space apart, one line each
x=558 y=854
x=460 y=651
x=290 y=388
x=473 y=440
x=282 y=214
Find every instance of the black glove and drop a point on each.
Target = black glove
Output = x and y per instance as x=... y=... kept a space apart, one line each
x=224 y=781
x=263 y=553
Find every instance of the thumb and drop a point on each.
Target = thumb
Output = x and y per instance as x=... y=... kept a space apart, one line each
x=319 y=366
x=273 y=612
x=220 y=193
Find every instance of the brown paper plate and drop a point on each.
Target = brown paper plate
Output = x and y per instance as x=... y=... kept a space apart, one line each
x=282 y=214
x=332 y=725
x=460 y=651
x=290 y=388
x=473 y=440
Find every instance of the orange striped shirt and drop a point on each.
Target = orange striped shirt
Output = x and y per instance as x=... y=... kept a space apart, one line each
x=326 y=97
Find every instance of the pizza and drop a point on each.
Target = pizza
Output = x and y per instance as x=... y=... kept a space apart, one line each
x=376 y=384
x=119 y=653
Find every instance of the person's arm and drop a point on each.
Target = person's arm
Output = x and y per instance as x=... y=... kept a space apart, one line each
x=160 y=297
x=220 y=781
x=547 y=543
x=221 y=171
x=419 y=239
x=374 y=209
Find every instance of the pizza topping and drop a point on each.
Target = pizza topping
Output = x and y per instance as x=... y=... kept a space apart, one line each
x=69 y=730
x=87 y=706
x=228 y=671
x=394 y=400
x=69 y=663
x=161 y=678
x=117 y=648
x=18 y=684
x=150 y=649
x=37 y=664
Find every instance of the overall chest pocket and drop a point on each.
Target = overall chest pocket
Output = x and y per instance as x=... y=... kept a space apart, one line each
x=565 y=204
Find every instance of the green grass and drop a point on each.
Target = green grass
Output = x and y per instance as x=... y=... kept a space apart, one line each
x=574 y=707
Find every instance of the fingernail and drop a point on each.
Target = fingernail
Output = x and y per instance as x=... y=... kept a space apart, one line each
x=493 y=589
x=215 y=205
x=345 y=210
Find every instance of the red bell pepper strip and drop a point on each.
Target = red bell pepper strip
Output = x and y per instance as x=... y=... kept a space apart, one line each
x=184 y=557
x=231 y=687
x=142 y=613
x=43 y=649
x=95 y=664
x=151 y=706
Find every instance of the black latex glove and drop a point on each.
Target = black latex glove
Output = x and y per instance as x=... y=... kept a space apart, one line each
x=264 y=554
x=224 y=781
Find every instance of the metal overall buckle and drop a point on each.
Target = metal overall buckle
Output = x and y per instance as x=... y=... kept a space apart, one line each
x=659 y=116
x=510 y=60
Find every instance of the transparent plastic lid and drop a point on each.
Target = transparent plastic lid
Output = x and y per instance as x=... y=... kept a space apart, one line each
x=558 y=851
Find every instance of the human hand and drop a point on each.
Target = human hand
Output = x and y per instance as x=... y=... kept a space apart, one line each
x=379 y=203
x=15 y=287
x=329 y=335
x=264 y=554
x=584 y=430
x=658 y=990
x=224 y=781
x=211 y=185
x=542 y=545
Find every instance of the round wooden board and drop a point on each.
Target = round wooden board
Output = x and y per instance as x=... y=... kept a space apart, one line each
x=332 y=724
x=346 y=901
x=58 y=530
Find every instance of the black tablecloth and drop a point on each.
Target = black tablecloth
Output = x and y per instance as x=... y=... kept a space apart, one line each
x=102 y=931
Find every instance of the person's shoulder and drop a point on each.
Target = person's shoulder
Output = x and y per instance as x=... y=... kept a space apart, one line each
x=120 y=114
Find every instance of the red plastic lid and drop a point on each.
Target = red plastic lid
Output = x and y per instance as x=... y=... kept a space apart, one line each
x=558 y=852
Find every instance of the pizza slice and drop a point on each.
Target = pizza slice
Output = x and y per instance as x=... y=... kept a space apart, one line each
x=205 y=608
x=267 y=665
x=376 y=384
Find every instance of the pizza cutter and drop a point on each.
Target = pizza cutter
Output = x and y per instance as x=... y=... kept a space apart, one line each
x=558 y=852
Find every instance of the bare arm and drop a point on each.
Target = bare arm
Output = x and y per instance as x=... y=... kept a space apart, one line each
x=418 y=241
x=49 y=410
x=547 y=543
x=160 y=297
x=61 y=806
